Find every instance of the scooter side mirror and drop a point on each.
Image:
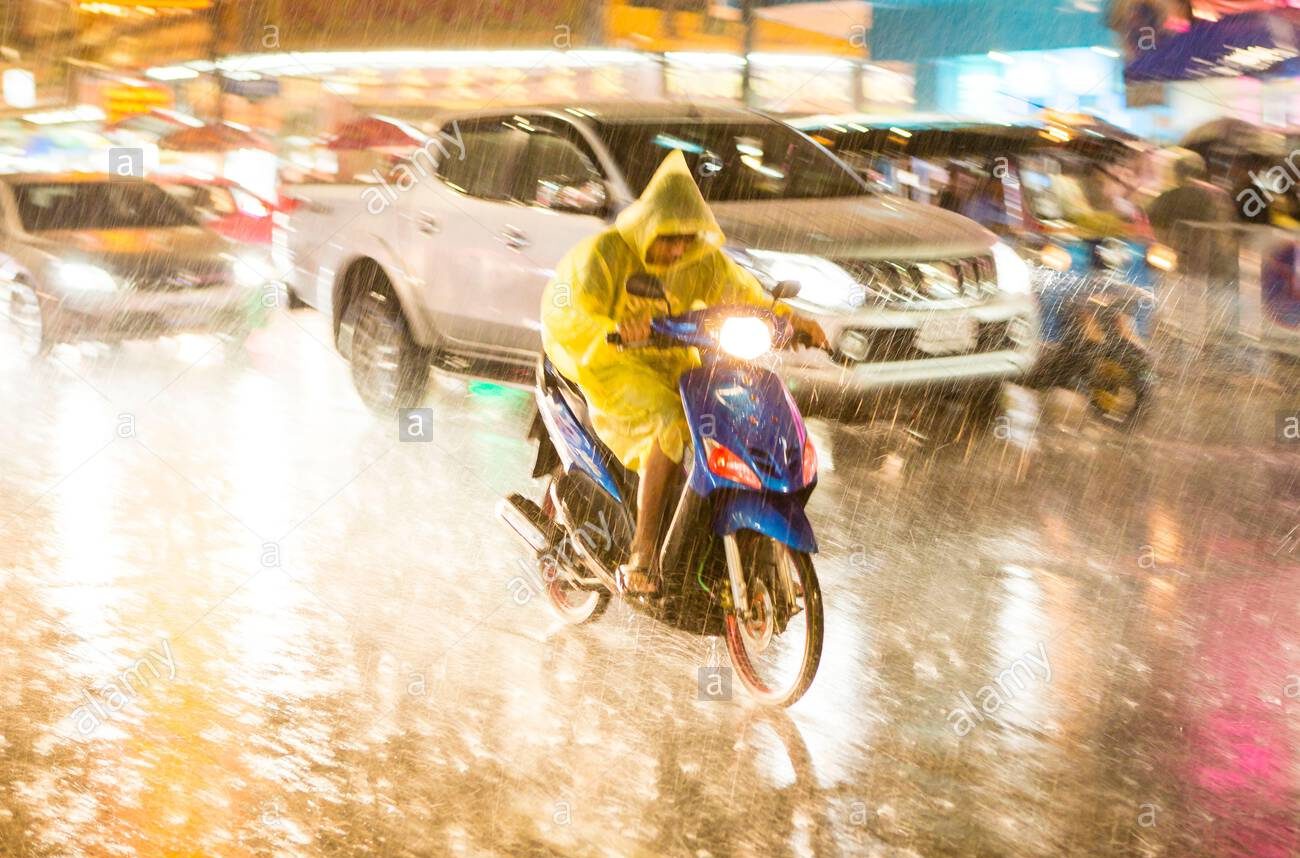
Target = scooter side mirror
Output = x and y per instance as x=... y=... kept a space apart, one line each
x=644 y=285
x=786 y=289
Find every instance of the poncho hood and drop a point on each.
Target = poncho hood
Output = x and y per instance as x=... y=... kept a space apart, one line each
x=671 y=204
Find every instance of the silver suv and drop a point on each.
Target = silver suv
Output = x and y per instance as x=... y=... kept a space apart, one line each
x=447 y=263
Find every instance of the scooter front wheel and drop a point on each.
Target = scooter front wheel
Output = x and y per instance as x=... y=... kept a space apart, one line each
x=774 y=617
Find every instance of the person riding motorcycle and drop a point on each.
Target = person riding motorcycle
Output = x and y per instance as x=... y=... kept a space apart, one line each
x=635 y=407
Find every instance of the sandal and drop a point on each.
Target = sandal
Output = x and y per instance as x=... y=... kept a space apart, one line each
x=636 y=579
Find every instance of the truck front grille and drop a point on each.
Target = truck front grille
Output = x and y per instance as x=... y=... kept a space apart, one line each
x=181 y=280
x=903 y=283
x=885 y=345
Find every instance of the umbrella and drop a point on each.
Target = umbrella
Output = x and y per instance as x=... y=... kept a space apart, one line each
x=1216 y=48
x=376 y=132
x=1230 y=134
x=226 y=137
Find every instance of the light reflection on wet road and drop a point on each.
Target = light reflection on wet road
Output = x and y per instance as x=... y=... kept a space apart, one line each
x=239 y=618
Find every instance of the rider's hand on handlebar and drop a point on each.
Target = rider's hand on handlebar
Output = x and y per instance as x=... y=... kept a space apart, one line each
x=634 y=330
x=808 y=332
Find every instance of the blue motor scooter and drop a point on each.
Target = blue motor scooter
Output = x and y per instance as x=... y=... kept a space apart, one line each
x=737 y=549
x=1098 y=303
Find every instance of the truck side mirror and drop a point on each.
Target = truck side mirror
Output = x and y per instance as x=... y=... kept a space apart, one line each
x=785 y=289
x=587 y=198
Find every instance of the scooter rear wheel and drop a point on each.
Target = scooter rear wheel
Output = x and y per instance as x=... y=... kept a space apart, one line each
x=774 y=650
x=1119 y=387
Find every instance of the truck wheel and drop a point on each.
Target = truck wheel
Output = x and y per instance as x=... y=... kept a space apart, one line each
x=389 y=368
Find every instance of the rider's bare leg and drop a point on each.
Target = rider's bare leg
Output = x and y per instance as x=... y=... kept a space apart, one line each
x=651 y=500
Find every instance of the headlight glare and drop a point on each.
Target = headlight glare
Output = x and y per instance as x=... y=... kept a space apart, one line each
x=1013 y=273
x=85 y=277
x=1162 y=257
x=822 y=282
x=1055 y=257
x=745 y=337
x=854 y=345
x=252 y=270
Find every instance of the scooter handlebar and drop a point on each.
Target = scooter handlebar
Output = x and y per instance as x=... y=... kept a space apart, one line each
x=655 y=340
x=786 y=337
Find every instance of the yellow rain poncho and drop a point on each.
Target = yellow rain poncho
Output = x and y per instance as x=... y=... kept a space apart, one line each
x=633 y=394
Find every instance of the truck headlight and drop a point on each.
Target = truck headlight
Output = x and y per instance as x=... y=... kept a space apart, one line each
x=85 y=277
x=1013 y=273
x=745 y=337
x=854 y=345
x=822 y=283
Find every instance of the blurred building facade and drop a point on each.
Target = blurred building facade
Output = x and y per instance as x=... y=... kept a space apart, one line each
x=1158 y=67
x=789 y=57
x=785 y=57
x=1189 y=61
x=1002 y=57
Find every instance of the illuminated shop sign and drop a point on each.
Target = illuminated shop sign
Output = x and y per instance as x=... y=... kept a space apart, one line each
x=122 y=6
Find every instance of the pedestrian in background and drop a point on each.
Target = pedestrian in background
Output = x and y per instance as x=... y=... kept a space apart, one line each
x=1194 y=218
x=1192 y=199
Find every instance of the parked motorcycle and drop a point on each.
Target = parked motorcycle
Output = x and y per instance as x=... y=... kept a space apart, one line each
x=736 y=554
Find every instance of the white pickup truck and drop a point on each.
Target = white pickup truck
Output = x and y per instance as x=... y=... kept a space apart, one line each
x=442 y=261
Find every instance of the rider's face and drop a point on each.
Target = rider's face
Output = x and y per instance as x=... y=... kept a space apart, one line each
x=667 y=249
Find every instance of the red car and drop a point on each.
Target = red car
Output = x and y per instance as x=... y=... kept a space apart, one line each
x=224 y=207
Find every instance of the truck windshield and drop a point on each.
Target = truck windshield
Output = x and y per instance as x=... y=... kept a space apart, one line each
x=732 y=161
x=97 y=205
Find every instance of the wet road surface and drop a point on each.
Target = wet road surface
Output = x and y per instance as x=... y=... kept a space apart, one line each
x=239 y=618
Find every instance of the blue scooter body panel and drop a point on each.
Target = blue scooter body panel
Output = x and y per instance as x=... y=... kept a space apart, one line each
x=748 y=410
x=781 y=517
x=575 y=443
x=743 y=407
x=1132 y=282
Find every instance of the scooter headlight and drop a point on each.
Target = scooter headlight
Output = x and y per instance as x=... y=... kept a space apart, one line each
x=809 y=462
x=1055 y=257
x=745 y=337
x=726 y=464
x=1162 y=257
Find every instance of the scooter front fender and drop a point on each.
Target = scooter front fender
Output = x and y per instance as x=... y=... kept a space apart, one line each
x=778 y=516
